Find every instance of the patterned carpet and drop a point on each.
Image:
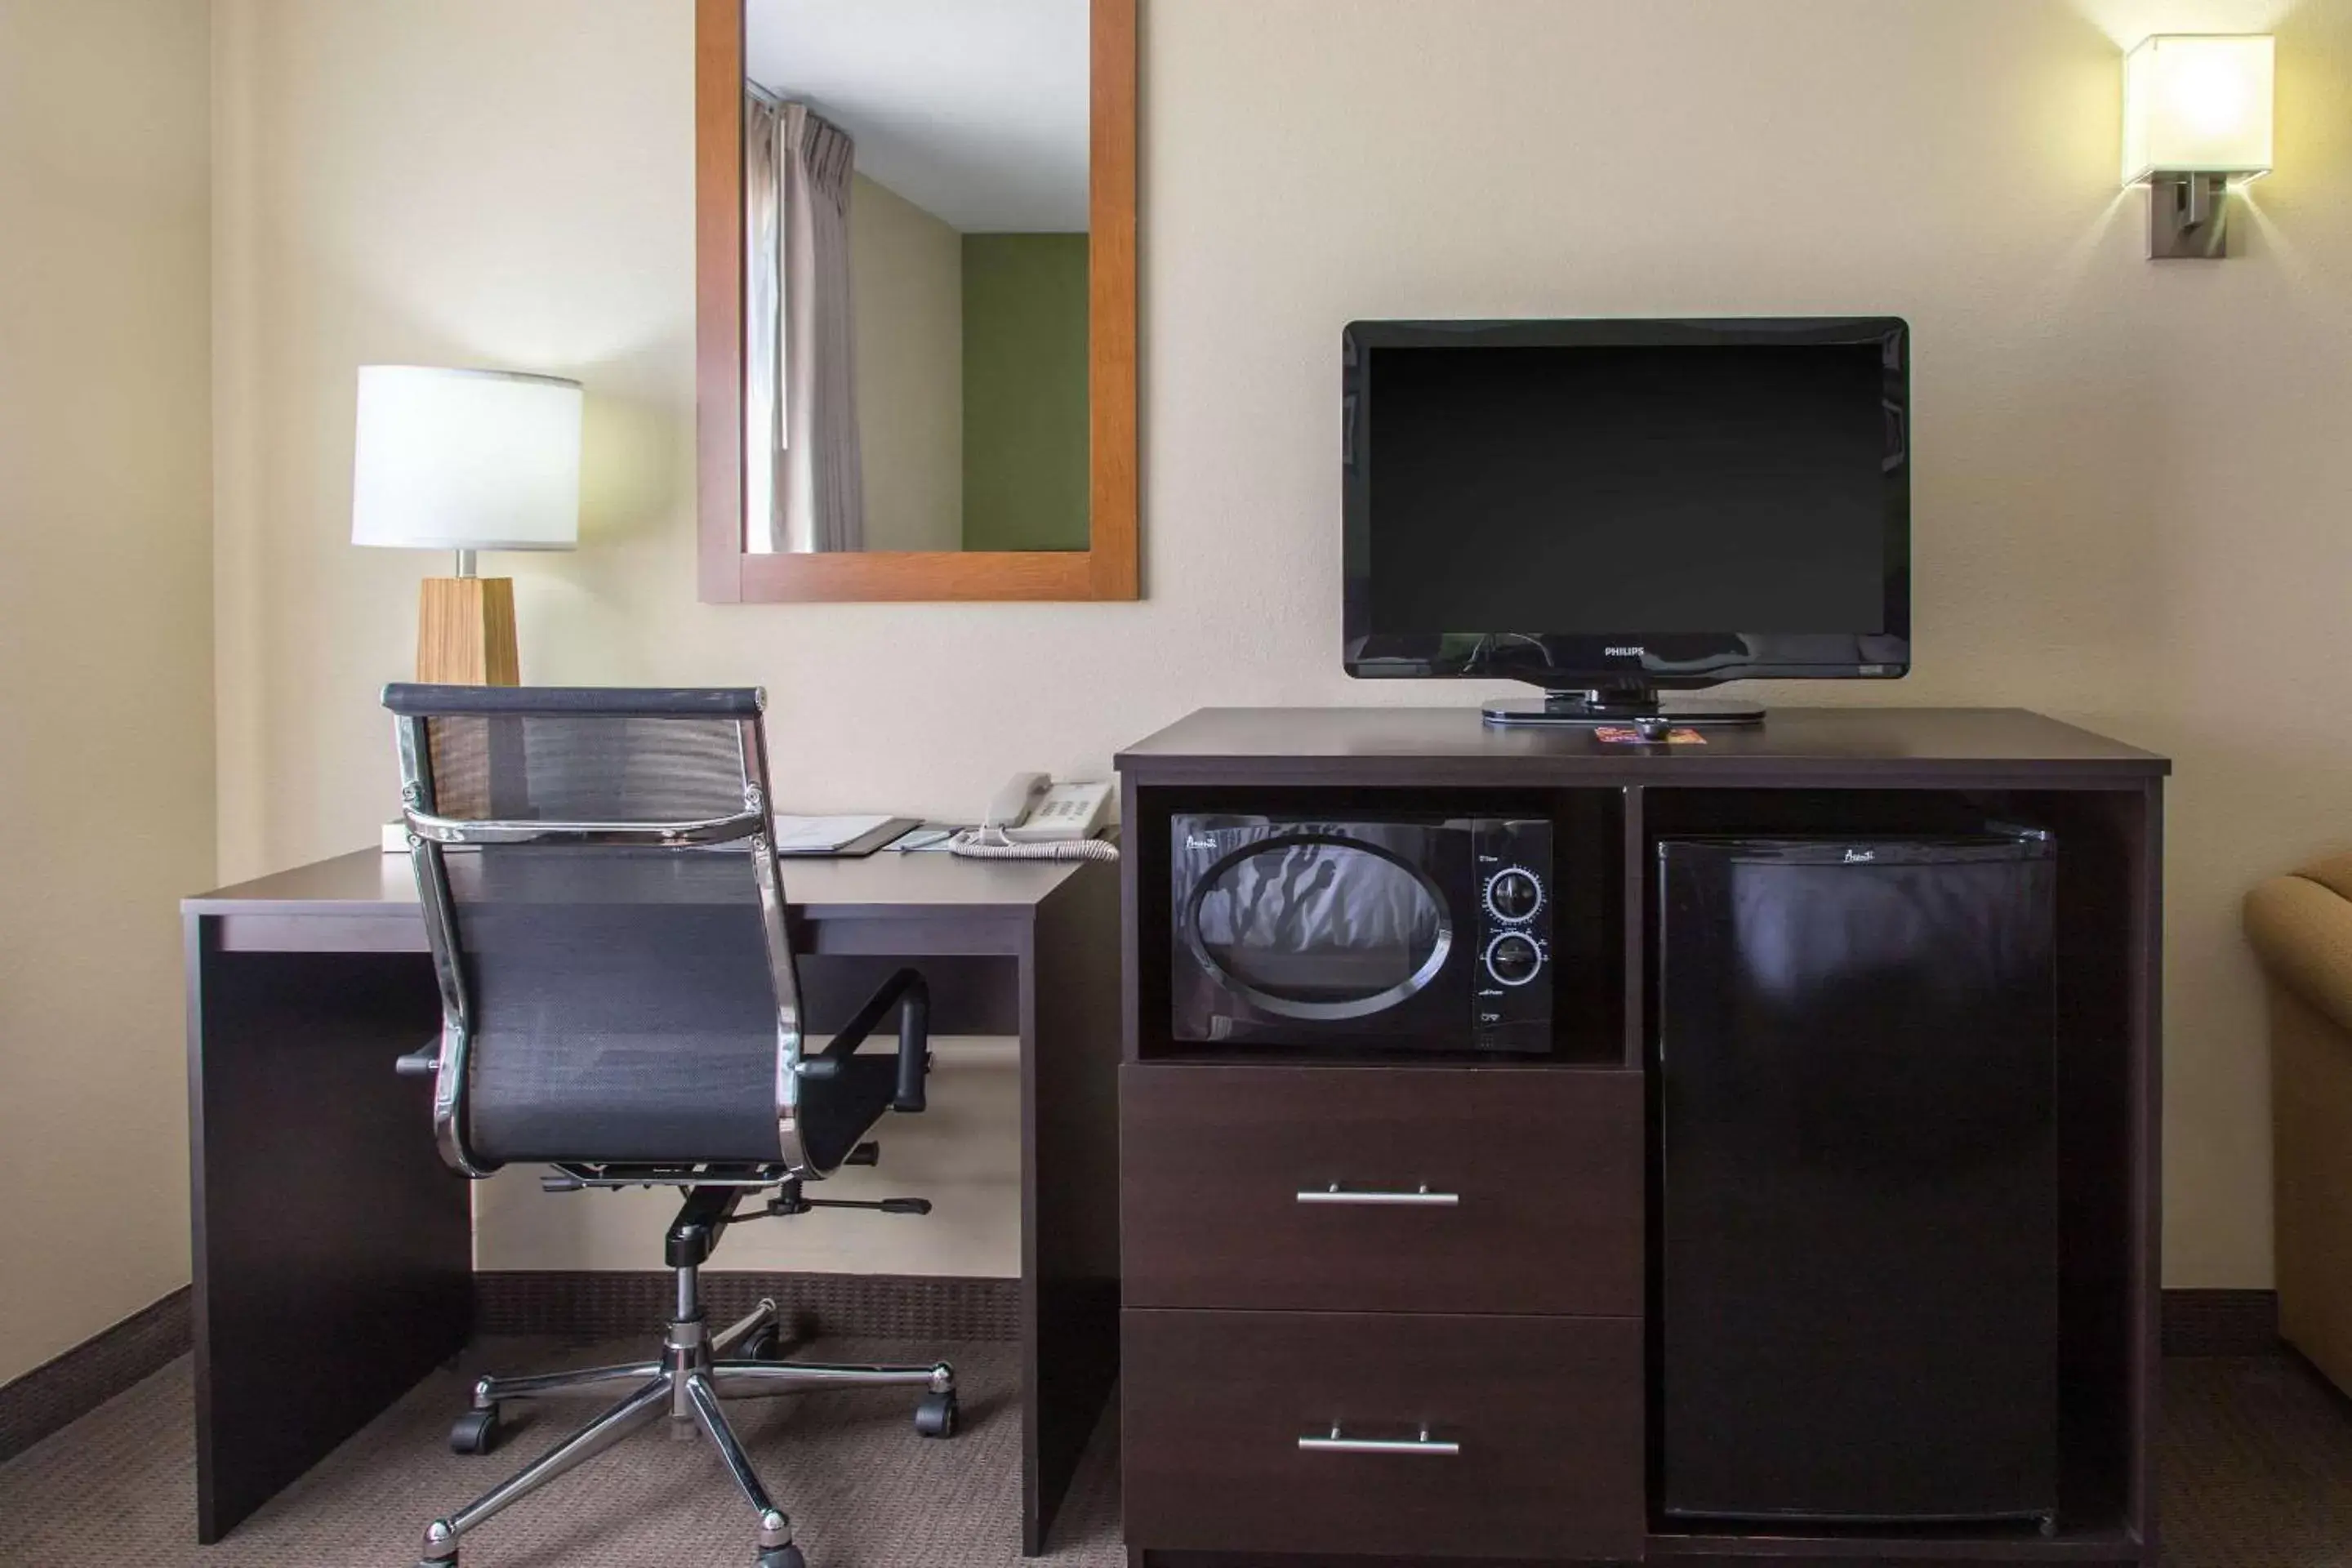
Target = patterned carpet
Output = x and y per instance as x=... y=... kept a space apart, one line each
x=2256 y=1459
x=2254 y=1466
x=116 y=1489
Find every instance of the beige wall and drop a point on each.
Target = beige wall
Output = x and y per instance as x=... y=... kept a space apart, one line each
x=2128 y=490
x=106 y=721
x=906 y=275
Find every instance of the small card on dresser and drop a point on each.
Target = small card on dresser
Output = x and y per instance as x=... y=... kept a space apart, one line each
x=1619 y=735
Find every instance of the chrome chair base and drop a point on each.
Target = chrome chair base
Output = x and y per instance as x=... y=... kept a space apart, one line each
x=696 y=1372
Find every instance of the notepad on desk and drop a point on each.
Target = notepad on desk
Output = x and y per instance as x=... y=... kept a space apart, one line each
x=853 y=834
x=831 y=835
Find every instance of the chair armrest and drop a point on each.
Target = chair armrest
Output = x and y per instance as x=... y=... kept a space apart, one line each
x=422 y=1062
x=908 y=992
x=2303 y=933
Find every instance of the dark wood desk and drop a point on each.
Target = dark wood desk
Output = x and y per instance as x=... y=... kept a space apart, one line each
x=332 y=1250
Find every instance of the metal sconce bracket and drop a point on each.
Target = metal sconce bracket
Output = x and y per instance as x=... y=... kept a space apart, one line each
x=2188 y=216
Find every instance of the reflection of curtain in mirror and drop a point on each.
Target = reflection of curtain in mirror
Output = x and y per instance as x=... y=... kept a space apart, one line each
x=763 y=334
x=821 y=493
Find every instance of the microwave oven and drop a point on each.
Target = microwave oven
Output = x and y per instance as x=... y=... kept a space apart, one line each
x=1428 y=934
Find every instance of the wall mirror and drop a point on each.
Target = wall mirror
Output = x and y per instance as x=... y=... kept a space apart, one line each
x=915 y=252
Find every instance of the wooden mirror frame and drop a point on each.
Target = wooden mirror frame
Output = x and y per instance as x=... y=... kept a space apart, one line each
x=1108 y=568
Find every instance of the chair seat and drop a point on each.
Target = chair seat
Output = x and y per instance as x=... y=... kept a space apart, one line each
x=621 y=1099
x=609 y=1115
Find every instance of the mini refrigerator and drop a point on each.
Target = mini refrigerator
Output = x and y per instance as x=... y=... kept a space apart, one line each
x=1856 y=1168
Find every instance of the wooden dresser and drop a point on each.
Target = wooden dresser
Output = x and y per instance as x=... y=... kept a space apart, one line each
x=1464 y=1367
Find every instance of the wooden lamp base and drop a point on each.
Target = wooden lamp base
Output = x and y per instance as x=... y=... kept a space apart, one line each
x=466 y=632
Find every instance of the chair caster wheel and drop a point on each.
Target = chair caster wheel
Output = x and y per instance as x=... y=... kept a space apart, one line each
x=475 y=1432
x=935 y=1415
x=782 y=1557
x=768 y=1344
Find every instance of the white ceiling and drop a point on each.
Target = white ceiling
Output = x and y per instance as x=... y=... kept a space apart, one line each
x=975 y=111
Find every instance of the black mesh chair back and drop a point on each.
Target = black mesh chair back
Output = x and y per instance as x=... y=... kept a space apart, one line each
x=608 y=924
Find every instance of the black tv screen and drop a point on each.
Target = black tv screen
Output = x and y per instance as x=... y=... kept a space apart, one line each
x=1585 y=504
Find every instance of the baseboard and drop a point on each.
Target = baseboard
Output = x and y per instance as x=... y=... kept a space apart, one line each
x=605 y=1304
x=2220 y=1322
x=80 y=1380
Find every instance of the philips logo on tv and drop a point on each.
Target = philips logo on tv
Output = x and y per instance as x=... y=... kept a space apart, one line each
x=1628 y=652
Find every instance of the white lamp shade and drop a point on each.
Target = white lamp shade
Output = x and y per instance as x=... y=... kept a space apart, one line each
x=466 y=459
x=2197 y=104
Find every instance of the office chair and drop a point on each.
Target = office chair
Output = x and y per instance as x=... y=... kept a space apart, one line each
x=619 y=1001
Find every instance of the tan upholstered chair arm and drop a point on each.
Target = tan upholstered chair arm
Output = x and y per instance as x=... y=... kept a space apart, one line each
x=2334 y=873
x=2303 y=933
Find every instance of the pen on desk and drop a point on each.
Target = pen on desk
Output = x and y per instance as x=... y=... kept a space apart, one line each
x=924 y=839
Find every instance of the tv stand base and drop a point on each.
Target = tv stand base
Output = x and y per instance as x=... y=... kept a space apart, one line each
x=1639 y=707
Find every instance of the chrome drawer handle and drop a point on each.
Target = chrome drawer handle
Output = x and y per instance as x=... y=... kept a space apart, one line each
x=1420 y=1197
x=1338 y=1442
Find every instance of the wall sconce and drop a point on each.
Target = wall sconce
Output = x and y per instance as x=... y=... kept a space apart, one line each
x=2197 y=115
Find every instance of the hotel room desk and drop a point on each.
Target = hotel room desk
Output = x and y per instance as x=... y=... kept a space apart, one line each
x=333 y=1248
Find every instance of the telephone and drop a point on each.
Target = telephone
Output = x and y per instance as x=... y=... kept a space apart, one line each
x=1034 y=819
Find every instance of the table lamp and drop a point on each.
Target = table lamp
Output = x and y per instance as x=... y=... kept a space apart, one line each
x=466 y=460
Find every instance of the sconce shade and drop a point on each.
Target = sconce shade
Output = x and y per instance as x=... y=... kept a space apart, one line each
x=466 y=459
x=2197 y=103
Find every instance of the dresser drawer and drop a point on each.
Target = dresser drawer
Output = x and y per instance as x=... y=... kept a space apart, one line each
x=1532 y=1176
x=1532 y=1445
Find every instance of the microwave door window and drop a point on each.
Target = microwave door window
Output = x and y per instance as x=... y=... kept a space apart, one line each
x=1318 y=927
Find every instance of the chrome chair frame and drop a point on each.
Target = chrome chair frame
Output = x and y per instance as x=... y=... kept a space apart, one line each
x=695 y=1372
x=430 y=833
x=697 y=1369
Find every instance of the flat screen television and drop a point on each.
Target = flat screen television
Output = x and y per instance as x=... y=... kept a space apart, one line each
x=1611 y=509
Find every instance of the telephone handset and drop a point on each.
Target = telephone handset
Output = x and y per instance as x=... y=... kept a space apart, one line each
x=1016 y=800
x=1034 y=819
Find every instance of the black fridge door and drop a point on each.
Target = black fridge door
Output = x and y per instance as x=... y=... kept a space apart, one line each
x=1858 y=1217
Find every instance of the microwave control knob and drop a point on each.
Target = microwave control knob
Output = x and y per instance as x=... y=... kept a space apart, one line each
x=1513 y=894
x=1514 y=958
